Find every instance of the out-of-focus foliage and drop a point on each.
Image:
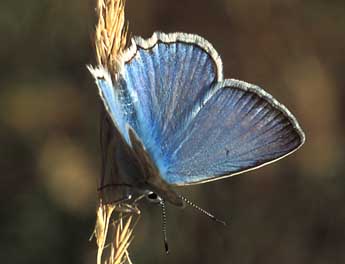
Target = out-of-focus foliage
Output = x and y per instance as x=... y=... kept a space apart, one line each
x=289 y=212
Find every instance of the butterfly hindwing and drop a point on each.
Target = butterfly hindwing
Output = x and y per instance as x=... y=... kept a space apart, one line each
x=240 y=127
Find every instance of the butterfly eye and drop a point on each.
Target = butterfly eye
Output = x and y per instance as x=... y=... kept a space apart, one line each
x=153 y=197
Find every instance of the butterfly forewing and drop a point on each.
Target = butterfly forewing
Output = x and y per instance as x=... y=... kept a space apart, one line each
x=166 y=81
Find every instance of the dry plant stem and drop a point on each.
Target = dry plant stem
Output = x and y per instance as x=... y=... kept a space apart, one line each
x=121 y=235
x=123 y=238
x=111 y=33
x=110 y=41
x=104 y=213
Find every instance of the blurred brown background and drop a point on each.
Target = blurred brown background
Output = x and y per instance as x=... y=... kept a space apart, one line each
x=289 y=212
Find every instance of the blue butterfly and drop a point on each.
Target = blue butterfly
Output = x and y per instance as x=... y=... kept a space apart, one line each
x=172 y=120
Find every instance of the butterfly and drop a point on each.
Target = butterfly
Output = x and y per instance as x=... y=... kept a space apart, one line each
x=171 y=119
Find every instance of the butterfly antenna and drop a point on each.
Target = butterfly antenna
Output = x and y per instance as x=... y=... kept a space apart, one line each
x=164 y=224
x=202 y=210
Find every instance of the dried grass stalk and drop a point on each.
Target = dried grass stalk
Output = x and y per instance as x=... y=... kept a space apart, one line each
x=110 y=41
x=120 y=234
x=111 y=32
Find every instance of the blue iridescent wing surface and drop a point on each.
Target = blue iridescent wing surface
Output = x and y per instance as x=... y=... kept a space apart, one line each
x=116 y=99
x=196 y=126
x=239 y=128
x=166 y=80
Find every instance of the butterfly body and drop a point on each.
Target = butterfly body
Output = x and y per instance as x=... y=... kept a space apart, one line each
x=175 y=121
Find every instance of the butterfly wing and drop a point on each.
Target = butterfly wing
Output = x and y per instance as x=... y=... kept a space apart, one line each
x=116 y=99
x=195 y=126
x=166 y=75
x=241 y=127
